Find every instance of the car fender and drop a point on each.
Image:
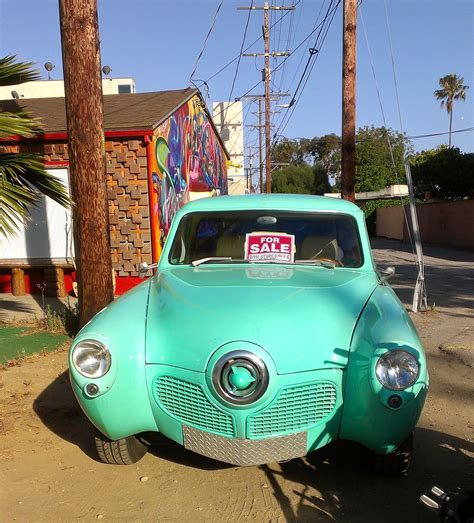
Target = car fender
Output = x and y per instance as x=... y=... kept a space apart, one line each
x=367 y=418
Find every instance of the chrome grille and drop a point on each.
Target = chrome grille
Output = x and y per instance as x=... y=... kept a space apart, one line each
x=188 y=404
x=297 y=407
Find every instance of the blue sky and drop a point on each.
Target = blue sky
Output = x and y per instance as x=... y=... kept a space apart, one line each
x=157 y=42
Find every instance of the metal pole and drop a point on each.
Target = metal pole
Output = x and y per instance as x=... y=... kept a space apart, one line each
x=420 y=299
x=266 y=35
x=348 y=100
x=86 y=147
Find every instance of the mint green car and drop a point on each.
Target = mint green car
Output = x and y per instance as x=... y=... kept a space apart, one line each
x=266 y=333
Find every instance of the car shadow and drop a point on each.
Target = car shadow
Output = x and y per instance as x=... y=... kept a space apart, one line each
x=59 y=411
x=336 y=482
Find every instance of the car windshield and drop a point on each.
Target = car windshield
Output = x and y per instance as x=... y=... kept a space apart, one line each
x=268 y=237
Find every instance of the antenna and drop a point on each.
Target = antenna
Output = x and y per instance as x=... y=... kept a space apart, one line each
x=106 y=70
x=49 y=67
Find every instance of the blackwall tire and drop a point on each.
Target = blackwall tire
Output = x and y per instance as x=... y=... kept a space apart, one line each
x=124 y=451
x=396 y=463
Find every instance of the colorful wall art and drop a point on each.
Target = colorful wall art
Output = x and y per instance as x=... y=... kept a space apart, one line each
x=186 y=157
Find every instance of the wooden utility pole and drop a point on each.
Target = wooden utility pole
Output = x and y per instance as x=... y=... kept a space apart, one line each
x=348 y=99
x=266 y=38
x=86 y=147
x=260 y=143
x=266 y=79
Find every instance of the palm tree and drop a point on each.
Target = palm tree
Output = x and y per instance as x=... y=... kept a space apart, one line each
x=22 y=175
x=452 y=88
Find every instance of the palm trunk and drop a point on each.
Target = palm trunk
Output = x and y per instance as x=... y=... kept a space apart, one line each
x=450 y=125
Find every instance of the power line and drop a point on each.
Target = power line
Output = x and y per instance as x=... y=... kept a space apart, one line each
x=230 y=62
x=239 y=59
x=324 y=29
x=205 y=40
x=280 y=65
x=467 y=129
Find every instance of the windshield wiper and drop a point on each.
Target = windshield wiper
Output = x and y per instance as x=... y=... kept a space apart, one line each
x=328 y=265
x=195 y=263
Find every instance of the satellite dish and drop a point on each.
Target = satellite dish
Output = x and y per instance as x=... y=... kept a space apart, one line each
x=106 y=70
x=15 y=95
x=49 y=67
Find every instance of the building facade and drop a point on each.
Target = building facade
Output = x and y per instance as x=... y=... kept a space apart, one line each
x=162 y=150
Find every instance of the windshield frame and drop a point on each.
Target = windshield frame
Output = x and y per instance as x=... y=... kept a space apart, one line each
x=172 y=238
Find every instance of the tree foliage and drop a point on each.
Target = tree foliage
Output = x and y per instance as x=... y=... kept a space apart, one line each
x=444 y=172
x=374 y=167
x=301 y=179
x=22 y=175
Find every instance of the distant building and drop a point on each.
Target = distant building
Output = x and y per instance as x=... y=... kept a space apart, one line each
x=55 y=88
x=162 y=150
x=229 y=122
x=388 y=193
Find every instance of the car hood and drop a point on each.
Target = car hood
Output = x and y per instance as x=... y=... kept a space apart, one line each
x=303 y=316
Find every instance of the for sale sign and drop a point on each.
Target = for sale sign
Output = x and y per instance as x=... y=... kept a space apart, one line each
x=270 y=247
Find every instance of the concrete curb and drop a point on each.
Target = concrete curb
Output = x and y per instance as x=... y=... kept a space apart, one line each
x=461 y=346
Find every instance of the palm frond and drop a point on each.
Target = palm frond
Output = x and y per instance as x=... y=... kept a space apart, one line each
x=26 y=171
x=12 y=72
x=18 y=124
x=15 y=205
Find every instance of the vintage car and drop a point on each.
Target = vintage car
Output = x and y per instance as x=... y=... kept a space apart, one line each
x=266 y=333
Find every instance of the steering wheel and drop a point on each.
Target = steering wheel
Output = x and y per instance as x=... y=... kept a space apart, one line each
x=337 y=263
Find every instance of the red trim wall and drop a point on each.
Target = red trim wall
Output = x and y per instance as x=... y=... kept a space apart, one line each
x=126 y=133
x=149 y=152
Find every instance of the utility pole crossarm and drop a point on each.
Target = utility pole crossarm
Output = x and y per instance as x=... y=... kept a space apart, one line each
x=267 y=8
x=273 y=54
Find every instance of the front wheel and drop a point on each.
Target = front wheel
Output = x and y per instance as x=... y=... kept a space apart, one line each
x=397 y=462
x=124 y=451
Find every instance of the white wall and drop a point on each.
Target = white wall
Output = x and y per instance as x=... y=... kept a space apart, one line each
x=55 y=88
x=228 y=117
x=48 y=234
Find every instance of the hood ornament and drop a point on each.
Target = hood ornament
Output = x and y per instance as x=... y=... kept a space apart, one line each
x=240 y=377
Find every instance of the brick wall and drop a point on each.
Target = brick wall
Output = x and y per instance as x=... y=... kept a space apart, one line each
x=127 y=191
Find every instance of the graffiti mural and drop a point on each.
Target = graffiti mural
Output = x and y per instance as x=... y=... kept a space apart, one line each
x=186 y=157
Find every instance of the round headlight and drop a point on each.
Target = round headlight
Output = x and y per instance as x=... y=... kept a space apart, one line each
x=91 y=358
x=397 y=370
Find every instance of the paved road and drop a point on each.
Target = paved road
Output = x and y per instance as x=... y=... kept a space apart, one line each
x=449 y=275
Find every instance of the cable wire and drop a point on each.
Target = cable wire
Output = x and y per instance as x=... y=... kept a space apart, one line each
x=385 y=125
x=280 y=64
x=230 y=62
x=324 y=29
x=239 y=59
x=205 y=41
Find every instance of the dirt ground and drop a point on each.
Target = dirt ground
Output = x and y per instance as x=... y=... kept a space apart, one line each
x=49 y=470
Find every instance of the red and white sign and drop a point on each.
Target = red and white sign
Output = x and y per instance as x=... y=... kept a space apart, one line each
x=270 y=246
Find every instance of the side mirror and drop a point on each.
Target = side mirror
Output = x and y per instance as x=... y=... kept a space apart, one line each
x=143 y=268
x=386 y=274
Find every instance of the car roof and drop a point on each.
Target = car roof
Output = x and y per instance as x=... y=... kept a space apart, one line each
x=288 y=202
